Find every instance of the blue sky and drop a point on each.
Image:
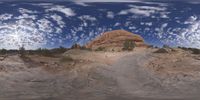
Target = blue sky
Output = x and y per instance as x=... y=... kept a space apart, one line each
x=62 y=23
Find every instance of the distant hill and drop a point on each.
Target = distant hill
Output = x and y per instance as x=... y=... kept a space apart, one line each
x=114 y=40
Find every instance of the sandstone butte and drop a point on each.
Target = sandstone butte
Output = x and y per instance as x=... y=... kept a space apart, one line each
x=114 y=40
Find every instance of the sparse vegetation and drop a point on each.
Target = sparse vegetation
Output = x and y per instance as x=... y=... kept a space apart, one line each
x=162 y=50
x=84 y=48
x=100 y=49
x=3 y=51
x=44 y=52
x=66 y=59
x=166 y=46
x=22 y=51
x=128 y=45
x=76 y=46
x=195 y=51
x=150 y=46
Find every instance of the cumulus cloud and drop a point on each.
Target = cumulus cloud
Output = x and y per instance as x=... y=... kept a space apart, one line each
x=26 y=16
x=23 y=11
x=191 y=20
x=5 y=16
x=82 y=4
x=21 y=32
x=62 y=9
x=142 y=10
x=110 y=14
x=58 y=19
x=188 y=36
x=29 y=30
x=107 y=0
x=87 y=17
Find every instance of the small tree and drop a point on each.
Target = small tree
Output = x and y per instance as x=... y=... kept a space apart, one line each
x=3 y=51
x=76 y=46
x=22 y=51
x=129 y=45
x=46 y=52
x=166 y=46
x=61 y=49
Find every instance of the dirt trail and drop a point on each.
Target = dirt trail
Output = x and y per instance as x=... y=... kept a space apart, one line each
x=135 y=80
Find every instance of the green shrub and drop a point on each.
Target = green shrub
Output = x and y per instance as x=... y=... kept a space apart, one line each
x=129 y=45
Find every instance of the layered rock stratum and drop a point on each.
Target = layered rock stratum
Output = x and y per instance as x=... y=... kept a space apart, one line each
x=115 y=40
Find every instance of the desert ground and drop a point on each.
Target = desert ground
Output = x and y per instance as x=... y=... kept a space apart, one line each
x=140 y=74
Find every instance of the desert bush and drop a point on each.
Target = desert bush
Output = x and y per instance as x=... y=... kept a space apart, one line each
x=161 y=50
x=166 y=46
x=195 y=51
x=150 y=46
x=66 y=59
x=100 y=49
x=129 y=45
x=61 y=49
x=22 y=51
x=3 y=51
x=44 y=52
x=85 y=48
x=76 y=46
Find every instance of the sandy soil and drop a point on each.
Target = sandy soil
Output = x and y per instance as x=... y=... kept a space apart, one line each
x=137 y=75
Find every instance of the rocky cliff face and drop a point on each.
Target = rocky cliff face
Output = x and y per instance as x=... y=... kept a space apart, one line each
x=114 y=40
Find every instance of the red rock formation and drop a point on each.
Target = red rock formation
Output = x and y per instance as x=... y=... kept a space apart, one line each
x=115 y=39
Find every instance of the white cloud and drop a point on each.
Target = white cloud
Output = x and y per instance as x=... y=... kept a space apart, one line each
x=142 y=10
x=106 y=1
x=191 y=20
x=164 y=14
x=21 y=32
x=24 y=11
x=132 y=27
x=62 y=9
x=117 y=24
x=149 y=24
x=29 y=31
x=5 y=16
x=82 y=4
x=187 y=37
x=26 y=16
x=110 y=14
x=87 y=17
x=164 y=25
x=59 y=20
x=45 y=25
x=41 y=4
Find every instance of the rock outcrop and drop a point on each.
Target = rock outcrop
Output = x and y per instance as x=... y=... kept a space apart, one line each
x=114 y=40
